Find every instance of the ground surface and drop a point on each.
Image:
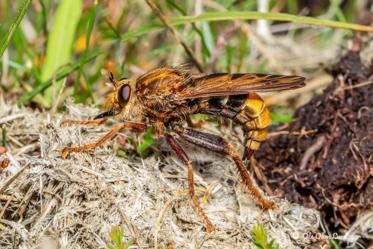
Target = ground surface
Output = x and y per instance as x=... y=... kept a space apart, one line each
x=75 y=202
x=324 y=158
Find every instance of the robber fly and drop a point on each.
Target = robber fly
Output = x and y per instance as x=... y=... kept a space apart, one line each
x=165 y=97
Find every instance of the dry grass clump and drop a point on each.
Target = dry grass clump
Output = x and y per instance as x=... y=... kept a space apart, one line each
x=74 y=203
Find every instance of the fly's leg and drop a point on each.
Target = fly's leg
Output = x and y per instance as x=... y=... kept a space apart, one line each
x=125 y=125
x=248 y=153
x=183 y=156
x=218 y=144
x=95 y=122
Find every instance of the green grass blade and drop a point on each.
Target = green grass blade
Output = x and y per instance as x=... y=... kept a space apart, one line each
x=252 y=15
x=3 y=138
x=338 y=12
x=260 y=238
x=198 y=30
x=61 y=73
x=143 y=146
x=142 y=30
x=208 y=38
x=8 y=36
x=281 y=117
x=90 y=25
x=60 y=40
x=245 y=15
x=293 y=6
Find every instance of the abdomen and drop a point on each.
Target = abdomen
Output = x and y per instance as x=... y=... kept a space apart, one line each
x=247 y=110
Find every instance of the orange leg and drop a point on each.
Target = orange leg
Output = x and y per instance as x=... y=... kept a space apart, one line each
x=264 y=202
x=125 y=125
x=95 y=122
x=218 y=144
x=183 y=156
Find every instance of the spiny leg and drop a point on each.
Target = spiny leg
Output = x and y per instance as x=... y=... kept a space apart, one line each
x=95 y=122
x=183 y=156
x=248 y=153
x=218 y=144
x=110 y=134
x=98 y=120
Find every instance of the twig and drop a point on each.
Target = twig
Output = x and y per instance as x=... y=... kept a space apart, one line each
x=261 y=46
x=133 y=229
x=5 y=68
x=11 y=118
x=18 y=227
x=9 y=201
x=158 y=223
x=58 y=98
x=311 y=151
x=260 y=176
x=198 y=9
x=292 y=133
x=262 y=26
x=15 y=165
x=279 y=6
x=26 y=149
x=175 y=33
x=221 y=42
x=364 y=83
x=11 y=179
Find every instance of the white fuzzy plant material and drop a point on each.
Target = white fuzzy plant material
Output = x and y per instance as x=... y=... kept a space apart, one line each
x=50 y=202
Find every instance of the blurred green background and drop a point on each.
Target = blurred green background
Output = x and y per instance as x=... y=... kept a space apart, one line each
x=73 y=44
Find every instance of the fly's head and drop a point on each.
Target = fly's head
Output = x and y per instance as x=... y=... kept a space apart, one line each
x=119 y=100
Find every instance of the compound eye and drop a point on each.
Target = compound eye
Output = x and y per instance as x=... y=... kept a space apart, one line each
x=124 y=93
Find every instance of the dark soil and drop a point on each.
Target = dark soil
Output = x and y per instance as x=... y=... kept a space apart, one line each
x=326 y=161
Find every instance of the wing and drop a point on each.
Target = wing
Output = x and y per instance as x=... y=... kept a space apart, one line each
x=162 y=82
x=222 y=84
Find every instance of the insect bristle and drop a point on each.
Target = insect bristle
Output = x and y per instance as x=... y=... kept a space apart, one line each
x=111 y=77
x=113 y=80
